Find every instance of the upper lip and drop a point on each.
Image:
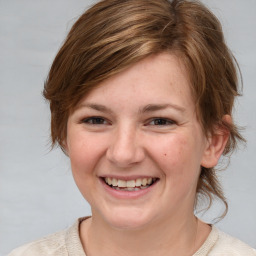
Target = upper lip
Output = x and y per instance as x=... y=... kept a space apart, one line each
x=133 y=177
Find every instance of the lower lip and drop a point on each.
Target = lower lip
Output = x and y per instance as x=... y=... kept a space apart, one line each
x=122 y=194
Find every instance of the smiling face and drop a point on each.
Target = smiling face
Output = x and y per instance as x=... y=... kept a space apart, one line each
x=136 y=146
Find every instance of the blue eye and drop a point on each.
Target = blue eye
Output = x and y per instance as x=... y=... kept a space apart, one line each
x=161 y=122
x=95 y=120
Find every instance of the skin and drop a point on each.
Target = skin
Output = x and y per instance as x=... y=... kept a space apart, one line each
x=141 y=123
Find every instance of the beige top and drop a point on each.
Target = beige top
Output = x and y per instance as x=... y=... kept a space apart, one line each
x=67 y=243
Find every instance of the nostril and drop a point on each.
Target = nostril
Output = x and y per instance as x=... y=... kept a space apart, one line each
x=124 y=157
x=125 y=147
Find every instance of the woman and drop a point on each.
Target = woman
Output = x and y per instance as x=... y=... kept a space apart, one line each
x=141 y=97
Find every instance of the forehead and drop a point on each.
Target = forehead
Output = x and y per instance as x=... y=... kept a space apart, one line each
x=160 y=78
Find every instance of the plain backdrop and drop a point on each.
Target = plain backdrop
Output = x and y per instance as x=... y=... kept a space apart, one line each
x=37 y=193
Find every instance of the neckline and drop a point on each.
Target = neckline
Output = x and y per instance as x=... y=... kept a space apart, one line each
x=75 y=248
x=208 y=243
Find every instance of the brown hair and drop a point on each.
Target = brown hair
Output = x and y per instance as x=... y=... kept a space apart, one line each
x=115 y=34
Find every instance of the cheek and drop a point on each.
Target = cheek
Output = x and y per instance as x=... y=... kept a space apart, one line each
x=176 y=157
x=174 y=150
x=179 y=166
x=84 y=152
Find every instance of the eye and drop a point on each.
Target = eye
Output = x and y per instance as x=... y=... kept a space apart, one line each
x=95 y=120
x=161 y=122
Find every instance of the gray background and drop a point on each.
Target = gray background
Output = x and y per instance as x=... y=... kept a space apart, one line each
x=37 y=193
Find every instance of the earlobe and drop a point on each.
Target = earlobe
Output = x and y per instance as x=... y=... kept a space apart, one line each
x=216 y=144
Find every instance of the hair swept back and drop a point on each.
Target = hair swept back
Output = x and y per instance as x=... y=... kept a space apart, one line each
x=114 y=34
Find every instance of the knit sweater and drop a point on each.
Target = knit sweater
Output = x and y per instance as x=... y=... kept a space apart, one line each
x=68 y=243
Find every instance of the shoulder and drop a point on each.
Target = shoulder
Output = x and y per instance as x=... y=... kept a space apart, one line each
x=230 y=246
x=50 y=245
x=62 y=243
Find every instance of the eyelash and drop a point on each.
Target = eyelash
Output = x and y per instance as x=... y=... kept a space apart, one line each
x=163 y=121
x=97 y=120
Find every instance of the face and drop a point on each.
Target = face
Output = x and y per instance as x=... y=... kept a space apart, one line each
x=136 y=146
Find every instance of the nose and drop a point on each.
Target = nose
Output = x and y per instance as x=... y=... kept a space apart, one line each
x=125 y=148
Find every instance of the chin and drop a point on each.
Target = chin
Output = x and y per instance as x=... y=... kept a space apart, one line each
x=128 y=223
x=128 y=219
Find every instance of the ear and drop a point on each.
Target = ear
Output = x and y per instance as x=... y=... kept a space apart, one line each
x=216 y=144
x=64 y=147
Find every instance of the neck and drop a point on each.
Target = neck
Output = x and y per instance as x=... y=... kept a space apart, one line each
x=169 y=238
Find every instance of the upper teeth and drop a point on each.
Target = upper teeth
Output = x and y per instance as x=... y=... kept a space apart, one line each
x=129 y=183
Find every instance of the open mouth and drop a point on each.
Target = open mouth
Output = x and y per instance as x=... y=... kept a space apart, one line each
x=130 y=185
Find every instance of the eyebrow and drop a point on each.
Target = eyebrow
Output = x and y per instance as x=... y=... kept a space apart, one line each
x=146 y=109
x=97 y=107
x=156 y=107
